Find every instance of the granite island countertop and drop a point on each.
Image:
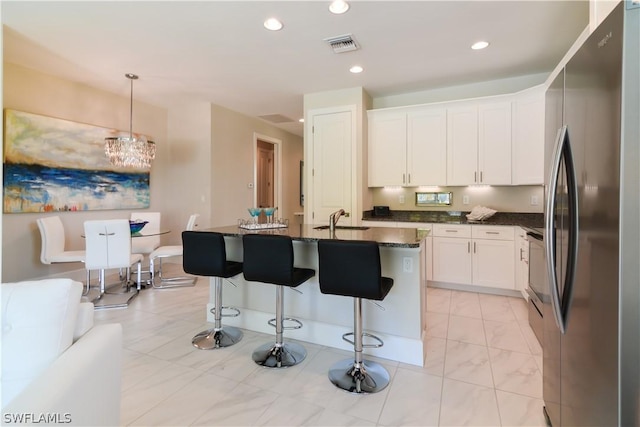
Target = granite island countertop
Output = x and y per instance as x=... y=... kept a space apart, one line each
x=529 y=220
x=385 y=236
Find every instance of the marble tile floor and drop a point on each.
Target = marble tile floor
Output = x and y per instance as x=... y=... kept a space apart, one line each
x=482 y=368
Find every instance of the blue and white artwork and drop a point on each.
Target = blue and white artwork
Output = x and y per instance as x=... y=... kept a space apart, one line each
x=58 y=165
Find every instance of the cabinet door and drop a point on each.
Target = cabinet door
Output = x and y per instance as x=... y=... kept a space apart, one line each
x=528 y=138
x=493 y=263
x=521 y=259
x=387 y=148
x=332 y=166
x=451 y=260
x=494 y=143
x=427 y=147
x=462 y=145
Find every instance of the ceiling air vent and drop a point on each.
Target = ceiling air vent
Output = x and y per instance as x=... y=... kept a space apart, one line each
x=340 y=44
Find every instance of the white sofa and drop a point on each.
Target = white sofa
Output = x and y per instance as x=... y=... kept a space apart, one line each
x=57 y=367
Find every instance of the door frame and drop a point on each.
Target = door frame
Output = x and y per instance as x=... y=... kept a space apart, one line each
x=277 y=170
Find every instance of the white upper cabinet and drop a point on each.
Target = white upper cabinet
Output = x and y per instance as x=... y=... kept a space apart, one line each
x=407 y=147
x=528 y=137
x=387 y=148
x=494 y=143
x=479 y=143
x=462 y=145
x=427 y=147
x=497 y=140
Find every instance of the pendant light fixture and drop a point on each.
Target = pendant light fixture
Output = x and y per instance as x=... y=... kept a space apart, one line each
x=128 y=151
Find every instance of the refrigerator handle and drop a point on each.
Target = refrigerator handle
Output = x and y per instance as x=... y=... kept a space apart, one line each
x=572 y=256
x=550 y=236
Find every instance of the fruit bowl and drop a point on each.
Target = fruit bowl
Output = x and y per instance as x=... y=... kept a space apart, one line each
x=137 y=225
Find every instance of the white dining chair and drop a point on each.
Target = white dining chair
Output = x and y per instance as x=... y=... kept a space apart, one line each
x=145 y=245
x=53 y=249
x=108 y=246
x=167 y=252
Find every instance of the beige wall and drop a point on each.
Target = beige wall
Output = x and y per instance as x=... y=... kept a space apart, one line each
x=232 y=165
x=34 y=92
x=502 y=199
x=203 y=163
x=187 y=167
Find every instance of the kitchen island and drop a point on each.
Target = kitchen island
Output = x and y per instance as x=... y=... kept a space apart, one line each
x=326 y=318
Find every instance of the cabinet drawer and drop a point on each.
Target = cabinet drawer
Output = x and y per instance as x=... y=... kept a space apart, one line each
x=419 y=225
x=452 y=230
x=490 y=232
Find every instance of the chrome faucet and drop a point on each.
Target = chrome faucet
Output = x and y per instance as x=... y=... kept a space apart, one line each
x=333 y=219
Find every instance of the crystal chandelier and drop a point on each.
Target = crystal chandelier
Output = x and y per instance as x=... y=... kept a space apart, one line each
x=127 y=151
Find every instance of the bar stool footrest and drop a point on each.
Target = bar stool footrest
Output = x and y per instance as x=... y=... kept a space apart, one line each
x=212 y=339
x=298 y=325
x=235 y=310
x=364 y=334
x=365 y=377
x=283 y=355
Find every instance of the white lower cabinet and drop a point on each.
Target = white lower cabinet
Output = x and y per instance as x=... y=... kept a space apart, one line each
x=522 y=261
x=474 y=255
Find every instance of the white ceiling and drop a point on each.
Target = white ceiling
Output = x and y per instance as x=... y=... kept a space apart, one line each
x=219 y=52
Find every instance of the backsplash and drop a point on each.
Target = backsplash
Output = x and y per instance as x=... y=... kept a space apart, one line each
x=500 y=198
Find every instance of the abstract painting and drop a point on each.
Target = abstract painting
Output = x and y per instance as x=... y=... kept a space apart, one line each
x=57 y=165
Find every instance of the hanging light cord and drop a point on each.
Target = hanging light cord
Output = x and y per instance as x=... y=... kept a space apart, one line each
x=131 y=78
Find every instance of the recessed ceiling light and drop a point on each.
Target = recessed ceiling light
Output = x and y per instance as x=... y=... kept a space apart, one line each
x=338 y=7
x=479 y=45
x=356 y=69
x=273 y=24
x=301 y=120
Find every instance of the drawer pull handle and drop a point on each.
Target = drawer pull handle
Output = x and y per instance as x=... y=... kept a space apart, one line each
x=451 y=231
x=492 y=232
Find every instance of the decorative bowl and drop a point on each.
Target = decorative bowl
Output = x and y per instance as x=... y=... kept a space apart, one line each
x=136 y=226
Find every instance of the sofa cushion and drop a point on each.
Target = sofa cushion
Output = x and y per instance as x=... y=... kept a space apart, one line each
x=38 y=324
x=84 y=320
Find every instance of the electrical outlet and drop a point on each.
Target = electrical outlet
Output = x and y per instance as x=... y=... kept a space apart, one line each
x=465 y=200
x=534 y=200
x=407 y=265
x=401 y=199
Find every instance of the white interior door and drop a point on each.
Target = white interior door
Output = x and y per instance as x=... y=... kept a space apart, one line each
x=332 y=166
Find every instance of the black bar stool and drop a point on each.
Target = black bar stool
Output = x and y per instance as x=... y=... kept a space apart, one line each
x=269 y=259
x=352 y=269
x=204 y=254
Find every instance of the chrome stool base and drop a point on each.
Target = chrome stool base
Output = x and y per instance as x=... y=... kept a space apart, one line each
x=368 y=377
x=212 y=338
x=279 y=356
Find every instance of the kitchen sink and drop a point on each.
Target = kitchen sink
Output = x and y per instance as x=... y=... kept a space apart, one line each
x=341 y=227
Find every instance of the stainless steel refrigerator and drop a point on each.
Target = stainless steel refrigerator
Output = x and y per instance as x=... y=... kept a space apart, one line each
x=592 y=221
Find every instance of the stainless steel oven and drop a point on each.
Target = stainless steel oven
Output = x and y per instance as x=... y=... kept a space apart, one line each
x=538 y=282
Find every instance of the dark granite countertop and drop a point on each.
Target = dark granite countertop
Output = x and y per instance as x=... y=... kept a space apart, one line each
x=385 y=236
x=530 y=220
